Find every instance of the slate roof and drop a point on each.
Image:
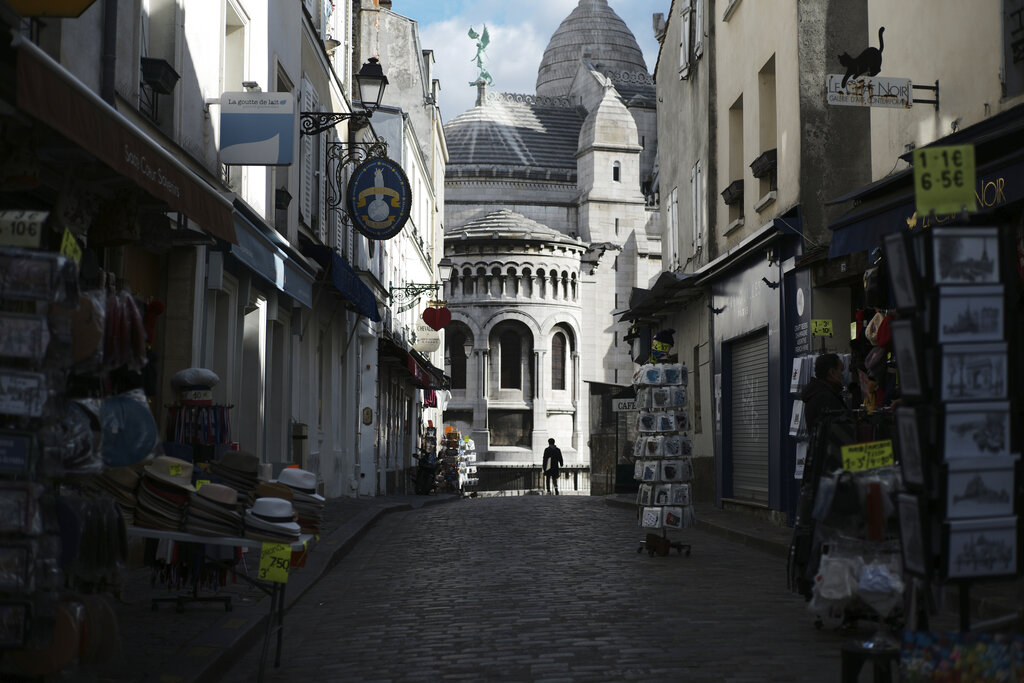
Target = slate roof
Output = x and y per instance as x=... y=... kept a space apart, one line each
x=515 y=135
x=505 y=224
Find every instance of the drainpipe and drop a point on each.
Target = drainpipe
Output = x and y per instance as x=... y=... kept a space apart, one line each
x=109 y=59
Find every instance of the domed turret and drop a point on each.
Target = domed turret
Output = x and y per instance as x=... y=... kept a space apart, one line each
x=594 y=26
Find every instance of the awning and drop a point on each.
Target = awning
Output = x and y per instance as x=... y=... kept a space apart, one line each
x=257 y=250
x=669 y=291
x=345 y=280
x=52 y=95
x=887 y=205
x=421 y=371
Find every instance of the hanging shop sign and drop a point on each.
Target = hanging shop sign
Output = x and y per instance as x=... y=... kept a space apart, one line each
x=257 y=128
x=379 y=198
x=427 y=338
x=437 y=318
x=944 y=180
x=869 y=91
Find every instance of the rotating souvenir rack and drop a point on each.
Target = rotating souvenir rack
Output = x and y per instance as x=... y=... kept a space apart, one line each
x=61 y=543
x=956 y=289
x=662 y=456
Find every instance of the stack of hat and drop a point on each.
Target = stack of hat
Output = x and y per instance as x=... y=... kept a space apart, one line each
x=271 y=489
x=271 y=520
x=214 y=511
x=119 y=483
x=164 y=493
x=239 y=470
x=308 y=505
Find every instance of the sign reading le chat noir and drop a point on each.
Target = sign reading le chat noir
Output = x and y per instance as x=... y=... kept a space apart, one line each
x=379 y=198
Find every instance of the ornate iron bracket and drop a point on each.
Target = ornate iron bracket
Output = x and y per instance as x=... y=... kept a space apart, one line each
x=340 y=155
x=316 y=122
x=412 y=290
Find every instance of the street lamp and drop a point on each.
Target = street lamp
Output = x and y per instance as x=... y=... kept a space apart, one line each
x=444 y=269
x=467 y=346
x=370 y=84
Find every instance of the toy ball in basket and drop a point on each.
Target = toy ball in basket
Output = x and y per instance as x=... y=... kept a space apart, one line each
x=195 y=386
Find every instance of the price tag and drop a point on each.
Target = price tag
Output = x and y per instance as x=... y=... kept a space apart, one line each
x=69 y=246
x=867 y=456
x=174 y=470
x=944 y=179
x=275 y=559
x=821 y=328
x=200 y=482
x=22 y=228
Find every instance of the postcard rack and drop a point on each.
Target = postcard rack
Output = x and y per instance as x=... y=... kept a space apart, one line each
x=662 y=456
x=953 y=287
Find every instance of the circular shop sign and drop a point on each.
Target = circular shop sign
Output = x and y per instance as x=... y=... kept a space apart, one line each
x=379 y=198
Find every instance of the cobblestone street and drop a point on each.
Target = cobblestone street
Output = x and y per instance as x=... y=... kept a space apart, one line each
x=547 y=588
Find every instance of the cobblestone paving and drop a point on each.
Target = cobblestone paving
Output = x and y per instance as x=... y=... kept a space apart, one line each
x=547 y=589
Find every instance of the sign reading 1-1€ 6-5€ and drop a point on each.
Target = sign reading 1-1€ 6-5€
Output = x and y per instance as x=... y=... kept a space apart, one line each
x=944 y=180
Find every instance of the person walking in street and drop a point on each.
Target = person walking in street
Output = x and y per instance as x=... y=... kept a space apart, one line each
x=825 y=390
x=552 y=461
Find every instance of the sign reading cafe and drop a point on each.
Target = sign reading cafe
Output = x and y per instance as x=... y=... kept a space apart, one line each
x=379 y=198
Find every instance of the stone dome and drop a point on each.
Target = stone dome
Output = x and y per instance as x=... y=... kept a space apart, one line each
x=594 y=26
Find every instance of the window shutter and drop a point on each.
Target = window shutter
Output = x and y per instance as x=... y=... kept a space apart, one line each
x=306 y=150
x=321 y=195
x=698 y=29
x=684 y=40
x=698 y=188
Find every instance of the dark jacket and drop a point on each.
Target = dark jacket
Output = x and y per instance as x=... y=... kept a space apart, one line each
x=819 y=396
x=552 y=460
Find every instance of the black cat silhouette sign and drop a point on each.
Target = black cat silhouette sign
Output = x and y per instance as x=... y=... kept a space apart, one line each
x=860 y=86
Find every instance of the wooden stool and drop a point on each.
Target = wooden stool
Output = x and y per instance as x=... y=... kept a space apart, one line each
x=884 y=661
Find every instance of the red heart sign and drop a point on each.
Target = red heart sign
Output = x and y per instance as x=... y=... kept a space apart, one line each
x=437 y=317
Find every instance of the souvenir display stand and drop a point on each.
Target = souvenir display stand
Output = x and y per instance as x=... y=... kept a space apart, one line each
x=73 y=357
x=956 y=292
x=467 y=464
x=449 y=457
x=662 y=456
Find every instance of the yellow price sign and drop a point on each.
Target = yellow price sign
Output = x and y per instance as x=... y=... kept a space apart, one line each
x=944 y=179
x=275 y=558
x=200 y=482
x=821 y=328
x=69 y=246
x=174 y=470
x=867 y=456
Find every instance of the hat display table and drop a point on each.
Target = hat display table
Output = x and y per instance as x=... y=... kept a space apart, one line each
x=274 y=589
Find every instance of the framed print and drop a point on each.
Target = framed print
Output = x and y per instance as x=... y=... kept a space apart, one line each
x=965 y=256
x=680 y=495
x=981 y=547
x=15 y=568
x=672 y=517
x=673 y=446
x=974 y=430
x=650 y=470
x=18 y=451
x=905 y=344
x=650 y=518
x=970 y=314
x=980 y=487
x=973 y=372
x=662 y=493
x=908 y=440
x=902 y=274
x=671 y=470
x=644 y=494
x=912 y=536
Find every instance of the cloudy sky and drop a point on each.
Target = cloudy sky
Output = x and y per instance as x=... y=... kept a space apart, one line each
x=519 y=31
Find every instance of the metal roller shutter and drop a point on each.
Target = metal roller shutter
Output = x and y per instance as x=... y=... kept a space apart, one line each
x=749 y=428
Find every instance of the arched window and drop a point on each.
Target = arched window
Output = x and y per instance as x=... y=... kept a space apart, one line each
x=558 y=362
x=616 y=170
x=511 y=361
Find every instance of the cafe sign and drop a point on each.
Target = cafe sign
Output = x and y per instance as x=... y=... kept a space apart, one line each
x=869 y=91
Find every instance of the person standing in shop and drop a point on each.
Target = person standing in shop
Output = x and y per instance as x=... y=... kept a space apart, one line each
x=552 y=461
x=825 y=390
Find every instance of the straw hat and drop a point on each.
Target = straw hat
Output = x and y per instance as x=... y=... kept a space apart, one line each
x=240 y=461
x=218 y=493
x=171 y=471
x=300 y=481
x=274 y=515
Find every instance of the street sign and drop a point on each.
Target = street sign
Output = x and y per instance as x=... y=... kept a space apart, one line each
x=620 y=405
x=944 y=180
x=869 y=91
